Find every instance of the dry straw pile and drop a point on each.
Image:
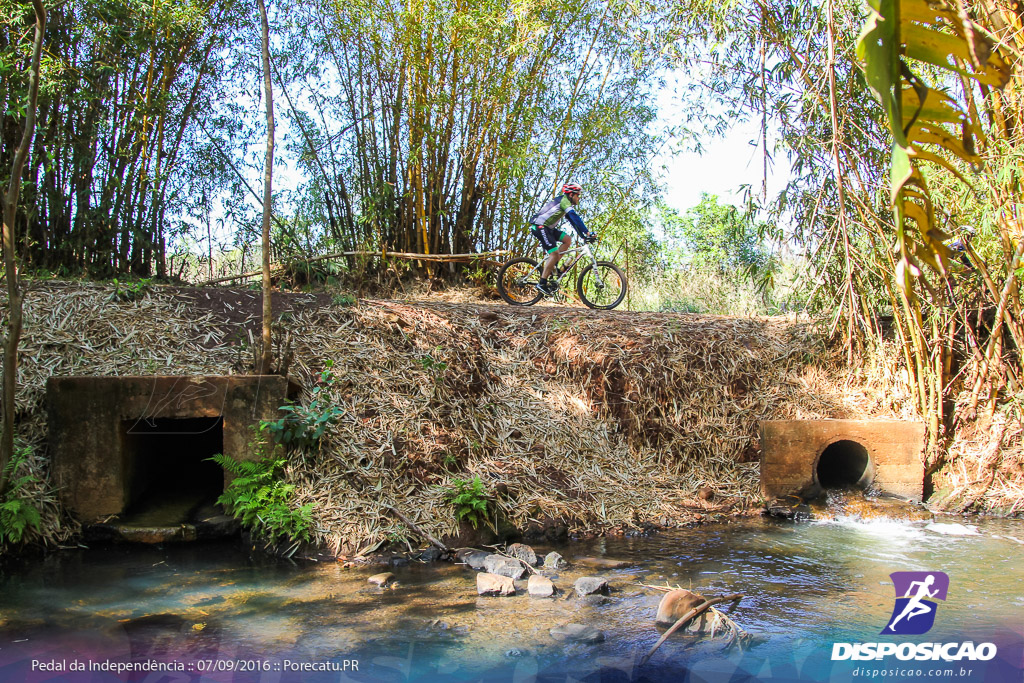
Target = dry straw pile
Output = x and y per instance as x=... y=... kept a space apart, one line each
x=594 y=420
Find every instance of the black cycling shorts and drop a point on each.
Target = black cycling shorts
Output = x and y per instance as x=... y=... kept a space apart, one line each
x=549 y=237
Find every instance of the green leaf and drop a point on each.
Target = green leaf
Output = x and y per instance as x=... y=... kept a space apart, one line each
x=878 y=48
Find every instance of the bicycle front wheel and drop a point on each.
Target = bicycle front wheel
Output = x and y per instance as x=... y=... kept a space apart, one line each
x=517 y=282
x=603 y=287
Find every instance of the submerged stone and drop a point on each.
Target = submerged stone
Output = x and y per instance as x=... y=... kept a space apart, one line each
x=579 y=633
x=603 y=563
x=382 y=580
x=590 y=585
x=474 y=559
x=493 y=584
x=540 y=586
x=595 y=600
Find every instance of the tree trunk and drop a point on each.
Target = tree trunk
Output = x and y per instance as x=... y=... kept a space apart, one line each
x=10 y=211
x=266 y=357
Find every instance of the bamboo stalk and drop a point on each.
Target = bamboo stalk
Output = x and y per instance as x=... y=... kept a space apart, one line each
x=443 y=258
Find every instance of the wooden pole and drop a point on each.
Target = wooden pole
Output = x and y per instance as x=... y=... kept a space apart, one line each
x=453 y=258
x=266 y=355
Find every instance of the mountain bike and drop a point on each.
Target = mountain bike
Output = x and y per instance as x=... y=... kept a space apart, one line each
x=601 y=284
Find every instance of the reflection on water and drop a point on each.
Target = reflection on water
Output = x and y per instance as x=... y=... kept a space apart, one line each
x=806 y=585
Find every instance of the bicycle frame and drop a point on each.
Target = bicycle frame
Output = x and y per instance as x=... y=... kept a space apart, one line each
x=584 y=250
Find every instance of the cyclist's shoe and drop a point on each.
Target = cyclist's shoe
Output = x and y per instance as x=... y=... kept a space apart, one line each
x=547 y=287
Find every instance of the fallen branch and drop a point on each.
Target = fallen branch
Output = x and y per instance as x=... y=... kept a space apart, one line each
x=686 y=618
x=437 y=258
x=412 y=525
x=663 y=589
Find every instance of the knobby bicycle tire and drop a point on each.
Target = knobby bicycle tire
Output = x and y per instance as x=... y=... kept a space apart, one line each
x=516 y=282
x=605 y=298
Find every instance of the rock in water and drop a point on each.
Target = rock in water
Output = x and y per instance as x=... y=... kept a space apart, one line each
x=594 y=600
x=591 y=585
x=675 y=605
x=493 y=584
x=383 y=580
x=579 y=633
x=473 y=558
x=554 y=561
x=603 y=563
x=431 y=554
x=524 y=553
x=540 y=586
x=503 y=566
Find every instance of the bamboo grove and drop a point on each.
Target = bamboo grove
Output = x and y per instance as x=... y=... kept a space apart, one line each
x=429 y=126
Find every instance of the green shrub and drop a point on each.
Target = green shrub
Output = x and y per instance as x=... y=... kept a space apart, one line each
x=302 y=426
x=17 y=513
x=478 y=275
x=469 y=498
x=261 y=501
x=130 y=291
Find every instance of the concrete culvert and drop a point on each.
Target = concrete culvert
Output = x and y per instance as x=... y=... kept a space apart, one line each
x=844 y=464
x=800 y=458
x=168 y=459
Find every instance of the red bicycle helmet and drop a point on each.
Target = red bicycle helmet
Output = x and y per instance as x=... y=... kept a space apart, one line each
x=571 y=188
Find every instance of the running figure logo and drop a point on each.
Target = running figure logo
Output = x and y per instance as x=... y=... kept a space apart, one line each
x=916 y=593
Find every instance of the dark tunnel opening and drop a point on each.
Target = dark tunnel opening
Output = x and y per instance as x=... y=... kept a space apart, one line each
x=844 y=464
x=167 y=464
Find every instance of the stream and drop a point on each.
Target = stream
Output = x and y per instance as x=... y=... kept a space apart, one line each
x=215 y=612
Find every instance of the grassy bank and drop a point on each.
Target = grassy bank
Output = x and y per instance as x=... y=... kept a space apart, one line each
x=598 y=421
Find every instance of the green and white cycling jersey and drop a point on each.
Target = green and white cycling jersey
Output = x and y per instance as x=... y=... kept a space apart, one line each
x=553 y=212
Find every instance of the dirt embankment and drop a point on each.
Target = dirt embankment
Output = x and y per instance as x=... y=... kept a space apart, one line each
x=593 y=420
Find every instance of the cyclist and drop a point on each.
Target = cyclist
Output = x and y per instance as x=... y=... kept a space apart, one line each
x=546 y=229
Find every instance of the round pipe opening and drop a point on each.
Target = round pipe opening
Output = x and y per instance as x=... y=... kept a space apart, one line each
x=844 y=464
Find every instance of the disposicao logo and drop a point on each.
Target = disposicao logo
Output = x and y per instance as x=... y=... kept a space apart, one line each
x=914 y=612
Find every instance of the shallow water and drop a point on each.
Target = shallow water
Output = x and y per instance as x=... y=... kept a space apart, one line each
x=214 y=610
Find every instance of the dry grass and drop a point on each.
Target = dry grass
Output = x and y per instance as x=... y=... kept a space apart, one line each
x=599 y=420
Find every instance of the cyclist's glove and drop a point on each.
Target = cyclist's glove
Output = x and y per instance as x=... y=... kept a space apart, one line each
x=591 y=238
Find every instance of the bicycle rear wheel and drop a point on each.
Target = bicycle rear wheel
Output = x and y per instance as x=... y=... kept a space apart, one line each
x=517 y=282
x=603 y=287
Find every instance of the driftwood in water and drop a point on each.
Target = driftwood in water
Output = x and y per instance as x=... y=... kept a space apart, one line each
x=686 y=618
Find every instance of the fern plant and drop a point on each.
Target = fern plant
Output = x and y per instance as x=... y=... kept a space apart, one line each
x=262 y=501
x=470 y=499
x=17 y=513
